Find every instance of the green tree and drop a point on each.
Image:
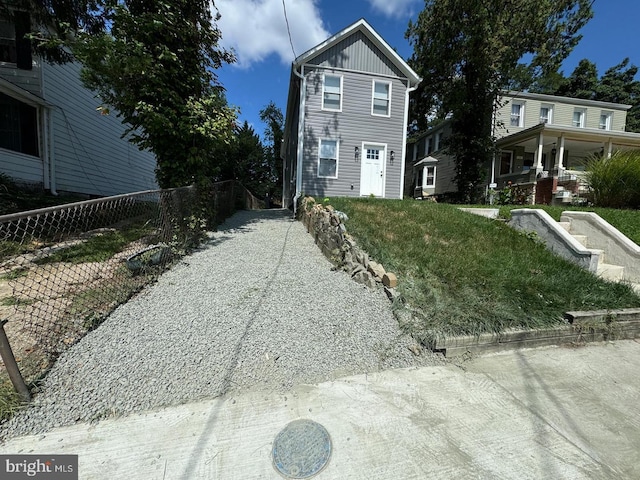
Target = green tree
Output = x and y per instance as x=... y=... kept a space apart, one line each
x=469 y=50
x=582 y=83
x=155 y=66
x=247 y=162
x=272 y=116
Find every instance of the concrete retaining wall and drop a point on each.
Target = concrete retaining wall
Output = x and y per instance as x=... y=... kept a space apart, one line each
x=556 y=238
x=619 y=250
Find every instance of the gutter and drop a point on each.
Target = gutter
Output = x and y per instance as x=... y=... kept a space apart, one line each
x=300 y=151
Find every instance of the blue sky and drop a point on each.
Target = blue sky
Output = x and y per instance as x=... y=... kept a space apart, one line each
x=257 y=32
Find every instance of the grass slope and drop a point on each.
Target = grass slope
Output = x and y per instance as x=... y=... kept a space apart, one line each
x=464 y=274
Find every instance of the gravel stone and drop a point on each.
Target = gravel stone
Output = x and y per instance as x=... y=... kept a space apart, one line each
x=257 y=307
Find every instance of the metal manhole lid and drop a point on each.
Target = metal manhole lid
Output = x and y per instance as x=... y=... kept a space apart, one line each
x=301 y=449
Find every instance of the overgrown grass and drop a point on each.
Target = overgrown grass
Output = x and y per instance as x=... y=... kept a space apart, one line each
x=464 y=274
x=627 y=221
x=100 y=247
x=10 y=401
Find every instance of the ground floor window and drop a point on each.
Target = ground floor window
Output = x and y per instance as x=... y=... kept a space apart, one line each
x=328 y=159
x=506 y=163
x=18 y=126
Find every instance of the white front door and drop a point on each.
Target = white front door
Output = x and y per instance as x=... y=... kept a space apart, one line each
x=372 y=170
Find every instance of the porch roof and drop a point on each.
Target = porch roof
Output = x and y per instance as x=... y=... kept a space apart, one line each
x=629 y=139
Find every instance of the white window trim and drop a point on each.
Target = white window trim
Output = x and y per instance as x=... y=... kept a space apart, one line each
x=521 y=118
x=324 y=75
x=583 y=117
x=373 y=93
x=425 y=176
x=609 y=121
x=337 y=156
x=550 y=108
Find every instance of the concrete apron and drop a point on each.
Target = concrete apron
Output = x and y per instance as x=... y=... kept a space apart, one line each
x=541 y=413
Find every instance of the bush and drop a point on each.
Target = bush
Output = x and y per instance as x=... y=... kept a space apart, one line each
x=614 y=181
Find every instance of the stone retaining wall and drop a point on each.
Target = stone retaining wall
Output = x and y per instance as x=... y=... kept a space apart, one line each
x=327 y=227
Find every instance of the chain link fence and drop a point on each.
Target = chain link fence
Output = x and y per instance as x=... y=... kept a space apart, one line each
x=64 y=269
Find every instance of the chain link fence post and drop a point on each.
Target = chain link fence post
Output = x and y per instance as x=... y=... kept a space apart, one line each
x=12 y=367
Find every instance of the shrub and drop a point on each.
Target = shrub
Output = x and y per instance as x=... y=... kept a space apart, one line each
x=614 y=181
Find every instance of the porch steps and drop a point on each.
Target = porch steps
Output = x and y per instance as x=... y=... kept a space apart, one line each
x=607 y=271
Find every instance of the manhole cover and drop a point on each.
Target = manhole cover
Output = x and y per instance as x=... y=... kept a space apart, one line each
x=301 y=449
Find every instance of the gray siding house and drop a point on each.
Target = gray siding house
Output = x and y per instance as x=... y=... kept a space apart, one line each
x=543 y=143
x=346 y=122
x=52 y=136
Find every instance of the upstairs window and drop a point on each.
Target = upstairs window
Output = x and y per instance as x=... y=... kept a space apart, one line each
x=517 y=115
x=381 y=103
x=14 y=47
x=578 y=118
x=328 y=159
x=18 y=126
x=332 y=93
x=605 y=121
x=546 y=114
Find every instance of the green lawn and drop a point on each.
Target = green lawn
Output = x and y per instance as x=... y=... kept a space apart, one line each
x=465 y=274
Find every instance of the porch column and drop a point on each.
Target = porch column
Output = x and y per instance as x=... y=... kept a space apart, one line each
x=539 y=166
x=559 y=163
x=609 y=148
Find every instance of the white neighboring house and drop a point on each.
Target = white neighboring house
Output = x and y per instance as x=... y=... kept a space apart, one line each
x=51 y=134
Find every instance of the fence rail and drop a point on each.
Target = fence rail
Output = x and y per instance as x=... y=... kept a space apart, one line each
x=64 y=269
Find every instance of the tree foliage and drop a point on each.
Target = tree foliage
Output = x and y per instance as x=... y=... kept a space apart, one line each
x=272 y=116
x=155 y=66
x=468 y=51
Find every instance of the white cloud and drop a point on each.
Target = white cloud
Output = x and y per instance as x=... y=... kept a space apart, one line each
x=256 y=29
x=394 y=8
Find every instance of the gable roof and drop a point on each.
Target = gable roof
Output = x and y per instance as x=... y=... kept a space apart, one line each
x=361 y=26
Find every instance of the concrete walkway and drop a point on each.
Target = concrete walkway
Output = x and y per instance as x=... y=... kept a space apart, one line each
x=549 y=413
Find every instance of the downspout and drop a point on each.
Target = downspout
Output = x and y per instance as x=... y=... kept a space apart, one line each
x=300 y=152
x=404 y=135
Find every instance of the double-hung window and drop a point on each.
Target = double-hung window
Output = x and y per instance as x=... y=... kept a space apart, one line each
x=546 y=114
x=15 y=48
x=430 y=176
x=381 y=101
x=18 y=126
x=332 y=93
x=605 y=121
x=328 y=159
x=517 y=114
x=578 y=118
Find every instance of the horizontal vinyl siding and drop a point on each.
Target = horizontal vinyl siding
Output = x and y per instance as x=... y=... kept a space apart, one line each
x=562 y=115
x=23 y=168
x=357 y=52
x=90 y=156
x=351 y=127
x=28 y=80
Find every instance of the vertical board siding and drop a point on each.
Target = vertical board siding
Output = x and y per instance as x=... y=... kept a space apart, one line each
x=90 y=156
x=351 y=127
x=358 y=53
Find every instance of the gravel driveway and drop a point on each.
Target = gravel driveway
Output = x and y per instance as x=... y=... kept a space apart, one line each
x=256 y=307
